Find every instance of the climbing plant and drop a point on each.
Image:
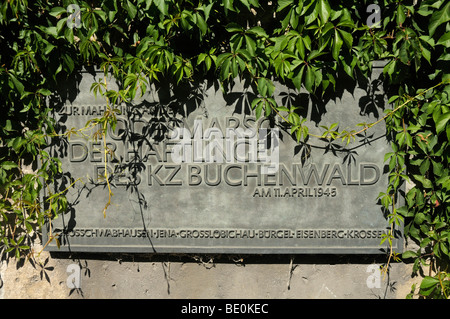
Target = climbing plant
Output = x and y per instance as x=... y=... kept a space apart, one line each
x=305 y=44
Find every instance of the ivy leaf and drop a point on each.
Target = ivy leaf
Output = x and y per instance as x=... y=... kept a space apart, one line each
x=429 y=283
x=283 y=4
x=425 y=181
x=300 y=48
x=324 y=10
x=260 y=32
x=441 y=122
x=404 y=53
x=315 y=54
x=7 y=165
x=438 y=18
x=162 y=6
x=309 y=79
x=265 y=87
x=250 y=44
x=423 y=168
x=18 y=85
x=337 y=44
x=258 y=109
x=297 y=79
x=57 y=11
x=233 y=27
x=409 y=254
x=401 y=16
x=347 y=37
x=201 y=23
x=228 y=5
x=132 y=10
x=444 y=40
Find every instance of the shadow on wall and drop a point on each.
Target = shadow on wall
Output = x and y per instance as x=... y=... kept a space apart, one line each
x=149 y=122
x=174 y=102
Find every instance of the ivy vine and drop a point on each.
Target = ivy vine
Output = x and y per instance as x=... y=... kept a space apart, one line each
x=305 y=44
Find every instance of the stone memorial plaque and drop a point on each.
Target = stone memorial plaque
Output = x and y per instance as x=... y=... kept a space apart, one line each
x=193 y=171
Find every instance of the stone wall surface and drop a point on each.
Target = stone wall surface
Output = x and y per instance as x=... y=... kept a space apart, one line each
x=137 y=276
x=274 y=274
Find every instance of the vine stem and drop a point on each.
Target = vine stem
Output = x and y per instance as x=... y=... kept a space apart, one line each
x=106 y=171
x=391 y=249
x=50 y=198
x=106 y=156
x=442 y=284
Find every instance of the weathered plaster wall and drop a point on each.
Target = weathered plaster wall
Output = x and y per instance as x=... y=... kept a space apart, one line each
x=150 y=276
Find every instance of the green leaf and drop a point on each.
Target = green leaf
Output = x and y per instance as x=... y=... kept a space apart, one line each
x=268 y=107
x=53 y=31
x=324 y=10
x=162 y=5
x=297 y=79
x=201 y=57
x=258 y=31
x=315 y=54
x=401 y=16
x=425 y=181
x=201 y=23
x=409 y=254
x=250 y=45
x=282 y=109
x=222 y=58
x=444 y=40
x=439 y=18
x=347 y=37
x=255 y=101
x=441 y=122
x=57 y=11
x=208 y=62
x=258 y=109
x=233 y=27
x=419 y=218
x=101 y=14
x=132 y=10
x=444 y=248
x=8 y=165
x=44 y=92
x=337 y=44
x=18 y=85
x=429 y=282
x=300 y=48
x=404 y=53
x=283 y=4
x=280 y=43
x=309 y=79
x=423 y=168
x=262 y=86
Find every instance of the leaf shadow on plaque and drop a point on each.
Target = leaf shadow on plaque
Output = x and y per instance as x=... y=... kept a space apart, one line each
x=374 y=100
x=144 y=124
x=240 y=94
x=149 y=122
x=371 y=101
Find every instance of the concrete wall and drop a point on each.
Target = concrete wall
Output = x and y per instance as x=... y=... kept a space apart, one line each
x=150 y=276
x=140 y=276
x=189 y=276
